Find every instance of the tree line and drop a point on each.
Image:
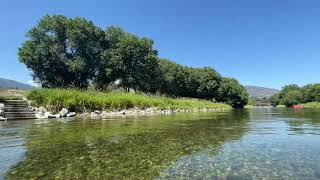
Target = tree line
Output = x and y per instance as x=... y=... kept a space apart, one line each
x=67 y=52
x=293 y=94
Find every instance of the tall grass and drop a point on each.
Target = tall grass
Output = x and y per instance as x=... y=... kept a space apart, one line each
x=311 y=105
x=55 y=99
x=2 y=99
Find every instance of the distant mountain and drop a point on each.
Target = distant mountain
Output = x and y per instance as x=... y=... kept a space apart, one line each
x=7 y=83
x=256 y=91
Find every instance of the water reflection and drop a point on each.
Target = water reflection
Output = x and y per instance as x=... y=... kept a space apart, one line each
x=127 y=148
x=241 y=144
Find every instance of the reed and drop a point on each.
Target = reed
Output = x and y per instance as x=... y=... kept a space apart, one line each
x=80 y=101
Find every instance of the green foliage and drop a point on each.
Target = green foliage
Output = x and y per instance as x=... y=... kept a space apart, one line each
x=293 y=94
x=129 y=59
x=180 y=80
x=134 y=62
x=291 y=98
x=55 y=99
x=311 y=93
x=2 y=99
x=74 y=53
x=233 y=93
x=288 y=88
x=174 y=78
x=311 y=105
x=62 y=52
x=275 y=100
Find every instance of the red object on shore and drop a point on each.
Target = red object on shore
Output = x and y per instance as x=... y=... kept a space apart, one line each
x=297 y=107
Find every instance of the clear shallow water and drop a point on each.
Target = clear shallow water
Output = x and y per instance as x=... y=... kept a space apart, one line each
x=247 y=144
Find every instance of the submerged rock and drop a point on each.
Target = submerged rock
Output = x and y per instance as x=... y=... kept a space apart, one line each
x=71 y=114
x=44 y=115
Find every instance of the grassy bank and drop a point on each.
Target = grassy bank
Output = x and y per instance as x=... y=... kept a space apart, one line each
x=312 y=105
x=79 y=101
x=2 y=99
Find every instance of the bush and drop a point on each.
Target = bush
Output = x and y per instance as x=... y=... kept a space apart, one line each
x=292 y=98
x=233 y=93
x=275 y=100
x=2 y=99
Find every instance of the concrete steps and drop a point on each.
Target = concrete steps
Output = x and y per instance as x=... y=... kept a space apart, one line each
x=17 y=110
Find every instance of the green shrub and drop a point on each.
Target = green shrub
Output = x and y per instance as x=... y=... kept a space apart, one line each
x=291 y=98
x=2 y=99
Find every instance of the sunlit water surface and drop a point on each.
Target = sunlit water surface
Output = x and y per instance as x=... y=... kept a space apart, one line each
x=239 y=144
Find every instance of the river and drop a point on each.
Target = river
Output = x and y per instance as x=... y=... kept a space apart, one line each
x=239 y=144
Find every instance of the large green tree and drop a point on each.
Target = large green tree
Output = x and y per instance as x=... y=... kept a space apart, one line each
x=65 y=52
x=204 y=82
x=275 y=100
x=311 y=93
x=62 y=52
x=107 y=72
x=288 y=88
x=174 y=78
x=185 y=81
x=291 y=98
x=233 y=93
x=129 y=59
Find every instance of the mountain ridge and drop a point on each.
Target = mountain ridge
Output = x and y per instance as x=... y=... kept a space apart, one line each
x=258 y=91
x=8 y=83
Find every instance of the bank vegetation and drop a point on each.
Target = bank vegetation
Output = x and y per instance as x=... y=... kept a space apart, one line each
x=73 y=53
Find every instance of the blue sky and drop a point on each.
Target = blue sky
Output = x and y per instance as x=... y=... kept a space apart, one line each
x=260 y=42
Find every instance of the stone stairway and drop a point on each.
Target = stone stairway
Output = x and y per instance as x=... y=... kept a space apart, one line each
x=17 y=110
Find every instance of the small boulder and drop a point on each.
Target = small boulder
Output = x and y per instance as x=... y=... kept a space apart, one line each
x=1 y=106
x=97 y=112
x=94 y=115
x=1 y=112
x=42 y=110
x=71 y=114
x=40 y=115
x=2 y=118
x=49 y=115
x=63 y=112
x=57 y=115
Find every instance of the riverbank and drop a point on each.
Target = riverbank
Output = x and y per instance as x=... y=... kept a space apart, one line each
x=116 y=103
x=311 y=105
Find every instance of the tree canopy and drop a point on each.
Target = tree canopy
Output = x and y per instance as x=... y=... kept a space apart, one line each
x=66 y=52
x=62 y=52
x=233 y=93
x=186 y=81
x=293 y=94
x=129 y=59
